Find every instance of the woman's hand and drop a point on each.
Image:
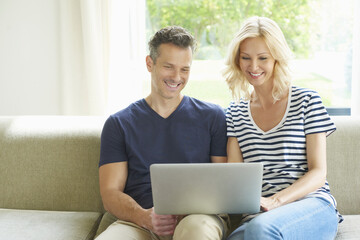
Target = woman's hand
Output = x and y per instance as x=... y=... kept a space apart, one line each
x=269 y=203
x=311 y=181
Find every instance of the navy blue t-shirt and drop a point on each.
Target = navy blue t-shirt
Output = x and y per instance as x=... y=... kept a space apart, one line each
x=195 y=131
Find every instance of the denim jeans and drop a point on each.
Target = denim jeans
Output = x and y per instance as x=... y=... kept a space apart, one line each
x=310 y=218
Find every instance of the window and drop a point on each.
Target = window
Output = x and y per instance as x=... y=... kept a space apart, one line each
x=319 y=32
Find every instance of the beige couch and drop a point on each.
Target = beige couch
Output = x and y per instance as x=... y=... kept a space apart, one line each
x=49 y=177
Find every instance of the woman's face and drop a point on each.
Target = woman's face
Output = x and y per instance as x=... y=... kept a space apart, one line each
x=256 y=61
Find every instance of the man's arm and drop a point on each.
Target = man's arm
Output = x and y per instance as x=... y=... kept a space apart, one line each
x=112 y=178
x=218 y=138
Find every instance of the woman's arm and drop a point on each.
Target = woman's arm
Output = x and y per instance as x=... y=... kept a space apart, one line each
x=233 y=150
x=312 y=180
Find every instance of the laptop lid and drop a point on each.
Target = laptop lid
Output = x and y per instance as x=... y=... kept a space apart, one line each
x=206 y=188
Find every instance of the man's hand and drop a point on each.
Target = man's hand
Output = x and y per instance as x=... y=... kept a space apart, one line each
x=163 y=225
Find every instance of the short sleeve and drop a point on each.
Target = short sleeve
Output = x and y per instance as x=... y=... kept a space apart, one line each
x=113 y=148
x=229 y=123
x=317 y=119
x=218 y=136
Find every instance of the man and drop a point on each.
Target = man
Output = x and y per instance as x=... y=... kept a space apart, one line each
x=165 y=127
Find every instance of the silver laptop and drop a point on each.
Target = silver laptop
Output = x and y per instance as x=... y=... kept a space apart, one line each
x=206 y=188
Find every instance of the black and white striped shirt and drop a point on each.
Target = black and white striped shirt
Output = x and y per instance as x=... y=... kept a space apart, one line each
x=282 y=150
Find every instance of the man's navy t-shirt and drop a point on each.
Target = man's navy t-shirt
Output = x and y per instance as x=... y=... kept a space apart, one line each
x=191 y=134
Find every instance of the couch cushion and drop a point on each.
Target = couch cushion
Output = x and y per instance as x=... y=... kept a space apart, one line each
x=45 y=225
x=50 y=163
x=349 y=229
x=343 y=153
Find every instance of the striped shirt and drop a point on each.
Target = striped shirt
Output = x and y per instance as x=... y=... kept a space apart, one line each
x=282 y=150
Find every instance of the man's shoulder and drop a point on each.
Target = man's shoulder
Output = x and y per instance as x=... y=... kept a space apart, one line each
x=126 y=116
x=204 y=106
x=133 y=109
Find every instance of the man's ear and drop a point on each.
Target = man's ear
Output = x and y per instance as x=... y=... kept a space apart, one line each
x=149 y=63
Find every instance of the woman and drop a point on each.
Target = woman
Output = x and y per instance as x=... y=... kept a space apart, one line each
x=285 y=128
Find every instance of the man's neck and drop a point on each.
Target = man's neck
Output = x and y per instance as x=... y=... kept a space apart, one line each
x=163 y=107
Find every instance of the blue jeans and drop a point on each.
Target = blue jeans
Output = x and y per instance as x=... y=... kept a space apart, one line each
x=310 y=218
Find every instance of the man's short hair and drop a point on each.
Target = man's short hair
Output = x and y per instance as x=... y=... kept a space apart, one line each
x=175 y=35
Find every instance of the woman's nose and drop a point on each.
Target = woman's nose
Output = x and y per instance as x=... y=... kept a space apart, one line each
x=254 y=65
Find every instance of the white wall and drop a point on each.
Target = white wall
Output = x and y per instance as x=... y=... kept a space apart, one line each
x=29 y=57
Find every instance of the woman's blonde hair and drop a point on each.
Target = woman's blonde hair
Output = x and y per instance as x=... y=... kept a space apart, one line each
x=271 y=33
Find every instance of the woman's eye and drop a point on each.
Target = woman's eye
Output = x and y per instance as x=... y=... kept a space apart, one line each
x=263 y=58
x=245 y=58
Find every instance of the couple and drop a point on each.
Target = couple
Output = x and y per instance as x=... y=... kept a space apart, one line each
x=282 y=126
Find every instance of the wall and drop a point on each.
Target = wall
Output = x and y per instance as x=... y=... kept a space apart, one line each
x=29 y=57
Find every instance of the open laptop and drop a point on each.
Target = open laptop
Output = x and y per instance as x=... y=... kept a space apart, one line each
x=206 y=188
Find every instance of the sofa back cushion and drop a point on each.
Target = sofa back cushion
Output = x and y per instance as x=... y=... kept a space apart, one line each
x=343 y=161
x=50 y=163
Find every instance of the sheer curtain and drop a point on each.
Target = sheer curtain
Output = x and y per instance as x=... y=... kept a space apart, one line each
x=355 y=85
x=127 y=55
x=100 y=41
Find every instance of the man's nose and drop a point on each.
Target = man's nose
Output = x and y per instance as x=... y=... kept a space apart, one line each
x=177 y=76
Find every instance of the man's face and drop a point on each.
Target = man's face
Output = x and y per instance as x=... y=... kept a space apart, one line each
x=171 y=71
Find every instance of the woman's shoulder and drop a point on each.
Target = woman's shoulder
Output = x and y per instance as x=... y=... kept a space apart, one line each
x=302 y=89
x=240 y=105
x=303 y=93
x=237 y=108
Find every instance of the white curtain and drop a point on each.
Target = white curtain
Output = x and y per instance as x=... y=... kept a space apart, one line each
x=127 y=55
x=355 y=85
x=93 y=56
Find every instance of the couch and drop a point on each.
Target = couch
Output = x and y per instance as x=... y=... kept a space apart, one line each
x=49 y=177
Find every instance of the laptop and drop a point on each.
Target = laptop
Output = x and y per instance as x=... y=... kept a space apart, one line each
x=206 y=188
